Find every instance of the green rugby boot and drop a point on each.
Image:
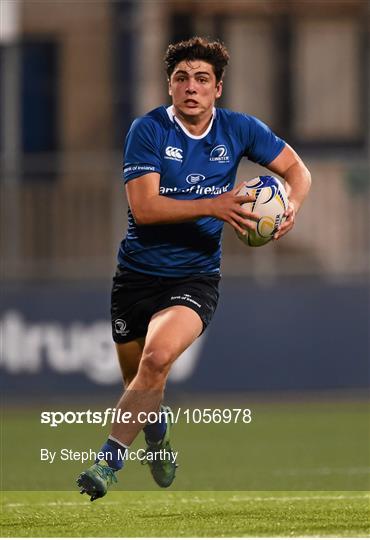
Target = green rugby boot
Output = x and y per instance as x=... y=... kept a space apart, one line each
x=160 y=457
x=96 y=480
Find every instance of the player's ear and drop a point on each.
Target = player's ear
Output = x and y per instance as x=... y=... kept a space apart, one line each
x=219 y=87
x=169 y=87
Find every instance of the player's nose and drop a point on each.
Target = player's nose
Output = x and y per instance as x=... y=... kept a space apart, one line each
x=190 y=88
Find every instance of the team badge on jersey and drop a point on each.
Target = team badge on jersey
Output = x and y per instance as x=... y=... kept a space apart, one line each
x=219 y=153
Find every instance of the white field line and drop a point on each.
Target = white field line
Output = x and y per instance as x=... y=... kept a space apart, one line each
x=303 y=498
x=324 y=471
x=234 y=498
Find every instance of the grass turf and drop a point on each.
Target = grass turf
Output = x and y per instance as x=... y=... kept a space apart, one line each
x=186 y=514
x=299 y=469
x=286 y=447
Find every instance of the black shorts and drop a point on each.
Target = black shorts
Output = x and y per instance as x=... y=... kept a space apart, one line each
x=136 y=297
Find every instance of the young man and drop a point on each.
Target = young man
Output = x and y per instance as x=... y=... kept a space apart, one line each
x=180 y=166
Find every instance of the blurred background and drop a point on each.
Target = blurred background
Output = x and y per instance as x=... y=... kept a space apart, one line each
x=294 y=315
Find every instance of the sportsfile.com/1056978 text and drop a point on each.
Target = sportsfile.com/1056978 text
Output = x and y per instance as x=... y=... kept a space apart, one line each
x=113 y=415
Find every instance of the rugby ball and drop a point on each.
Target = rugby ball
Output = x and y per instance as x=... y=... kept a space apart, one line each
x=270 y=204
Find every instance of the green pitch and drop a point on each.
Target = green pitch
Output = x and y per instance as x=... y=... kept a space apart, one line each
x=177 y=514
x=299 y=468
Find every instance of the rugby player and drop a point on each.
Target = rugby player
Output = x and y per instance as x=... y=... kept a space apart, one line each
x=180 y=167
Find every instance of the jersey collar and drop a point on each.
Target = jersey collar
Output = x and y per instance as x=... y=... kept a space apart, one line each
x=174 y=119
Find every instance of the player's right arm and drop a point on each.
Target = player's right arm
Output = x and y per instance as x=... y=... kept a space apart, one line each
x=149 y=207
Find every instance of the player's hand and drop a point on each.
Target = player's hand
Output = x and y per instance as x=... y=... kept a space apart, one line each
x=288 y=223
x=227 y=207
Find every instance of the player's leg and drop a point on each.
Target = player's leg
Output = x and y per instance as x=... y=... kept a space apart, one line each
x=129 y=356
x=96 y=480
x=170 y=332
x=157 y=430
x=165 y=341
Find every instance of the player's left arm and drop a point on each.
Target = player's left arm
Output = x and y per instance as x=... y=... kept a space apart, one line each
x=289 y=166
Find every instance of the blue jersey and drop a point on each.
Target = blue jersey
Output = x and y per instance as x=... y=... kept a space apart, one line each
x=190 y=167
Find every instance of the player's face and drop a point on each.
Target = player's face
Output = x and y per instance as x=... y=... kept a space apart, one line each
x=193 y=89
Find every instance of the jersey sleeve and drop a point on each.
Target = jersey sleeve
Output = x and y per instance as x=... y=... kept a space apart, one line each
x=141 y=153
x=262 y=145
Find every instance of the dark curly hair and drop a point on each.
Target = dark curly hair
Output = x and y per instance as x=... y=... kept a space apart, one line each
x=198 y=48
